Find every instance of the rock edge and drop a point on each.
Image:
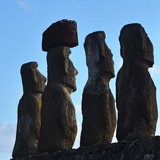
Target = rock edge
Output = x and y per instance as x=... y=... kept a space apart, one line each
x=139 y=149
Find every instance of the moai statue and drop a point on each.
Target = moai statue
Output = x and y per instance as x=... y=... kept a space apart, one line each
x=29 y=109
x=98 y=104
x=135 y=90
x=59 y=126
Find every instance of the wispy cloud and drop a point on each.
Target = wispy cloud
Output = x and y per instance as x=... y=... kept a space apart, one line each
x=79 y=124
x=114 y=137
x=155 y=70
x=23 y=4
x=78 y=109
x=120 y=63
x=7 y=137
x=77 y=141
x=76 y=4
x=158 y=129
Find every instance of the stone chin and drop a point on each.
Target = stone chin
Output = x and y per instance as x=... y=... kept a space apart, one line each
x=108 y=74
x=70 y=83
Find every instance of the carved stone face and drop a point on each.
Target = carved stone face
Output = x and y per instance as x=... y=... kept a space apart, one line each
x=135 y=44
x=61 y=68
x=106 y=61
x=33 y=81
x=40 y=81
x=98 y=55
x=70 y=73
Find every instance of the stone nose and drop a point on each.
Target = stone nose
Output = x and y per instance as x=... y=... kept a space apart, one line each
x=75 y=71
x=44 y=78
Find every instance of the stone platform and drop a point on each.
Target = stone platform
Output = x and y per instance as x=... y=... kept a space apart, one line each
x=139 y=149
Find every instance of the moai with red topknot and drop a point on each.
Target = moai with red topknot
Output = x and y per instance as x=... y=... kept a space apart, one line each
x=59 y=126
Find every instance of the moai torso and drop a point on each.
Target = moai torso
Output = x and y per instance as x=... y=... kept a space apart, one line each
x=59 y=126
x=98 y=105
x=29 y=119
x=135 y=90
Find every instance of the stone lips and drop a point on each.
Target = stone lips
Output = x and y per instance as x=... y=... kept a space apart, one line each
x=61 y=33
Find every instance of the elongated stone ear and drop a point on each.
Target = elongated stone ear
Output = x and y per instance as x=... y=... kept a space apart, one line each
x=91 y=50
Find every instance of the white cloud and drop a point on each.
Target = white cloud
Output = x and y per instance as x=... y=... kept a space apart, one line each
x=23 y=4
x=7 y=137
x=76 y=4
x=78 y=109
x=77 y=141
x=155 y=70
x=114 y=137
x=120 y=64
x=158 y=129
x=79 y=124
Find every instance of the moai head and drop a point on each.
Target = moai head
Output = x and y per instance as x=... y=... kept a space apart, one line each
x=135 y=44
x=33 y=81
x=61 y=68
x=98 y=55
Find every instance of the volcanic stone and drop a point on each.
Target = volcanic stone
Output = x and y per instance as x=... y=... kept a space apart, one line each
x=98 y=105
x=61 y=33
x=135 y=89
x=139 y=149
x=29 y=119
x=59 y=127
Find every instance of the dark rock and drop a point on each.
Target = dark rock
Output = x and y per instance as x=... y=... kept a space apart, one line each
x=29 y=119
x=135 y=90
x=98 y=105
x=59 y=127
x=142 y=149
x=61 y=33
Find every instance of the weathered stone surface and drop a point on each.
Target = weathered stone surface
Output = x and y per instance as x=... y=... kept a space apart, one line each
x=29 y=119
x=98 y=105
x=140 y=149
x=135 y=90
x=59 y=127
x=61 y=33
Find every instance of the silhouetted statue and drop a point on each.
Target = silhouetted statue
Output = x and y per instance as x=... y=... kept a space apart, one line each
x=98 y=105
x=135 y=90
x=29 y=119
x=59 y=126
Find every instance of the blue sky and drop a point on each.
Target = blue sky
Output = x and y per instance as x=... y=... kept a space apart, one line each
x=22 y=23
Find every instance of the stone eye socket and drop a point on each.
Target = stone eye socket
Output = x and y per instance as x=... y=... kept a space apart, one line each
x=145 y=48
